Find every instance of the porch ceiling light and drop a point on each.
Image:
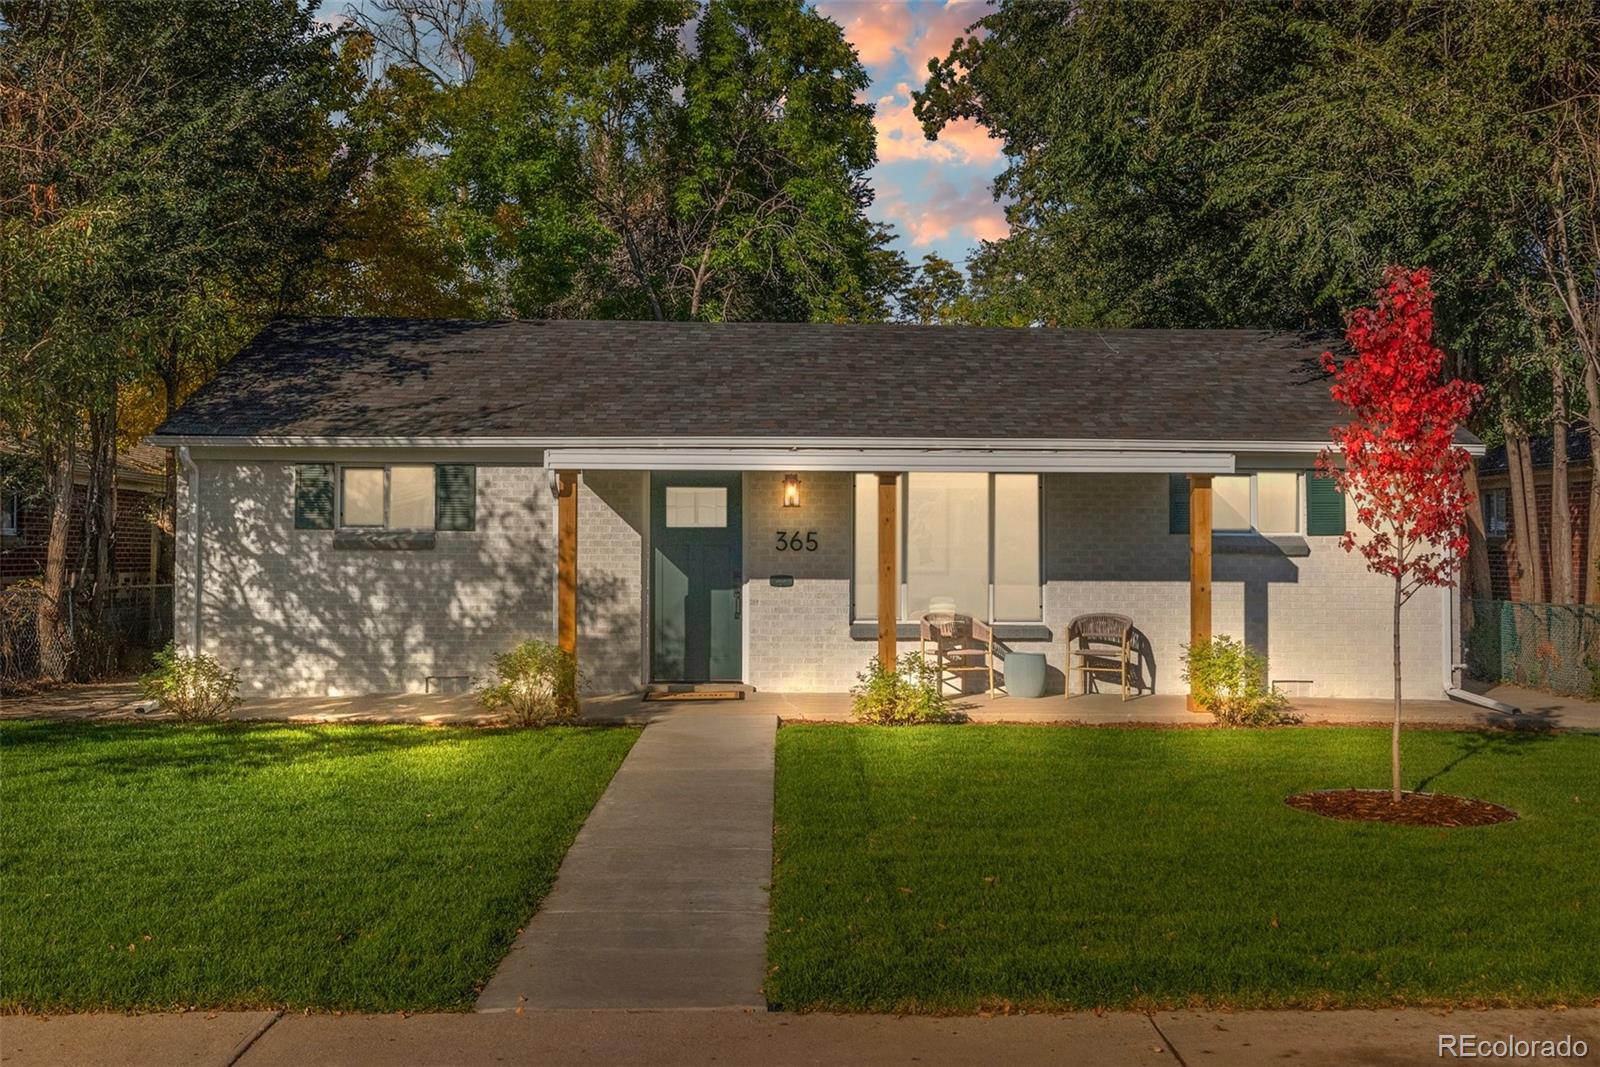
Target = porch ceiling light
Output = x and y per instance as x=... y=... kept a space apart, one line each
x=791 y=490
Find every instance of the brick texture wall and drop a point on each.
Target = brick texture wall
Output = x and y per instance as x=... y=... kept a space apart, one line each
x=296 y=616
x=22 y=554
x=1503 y=574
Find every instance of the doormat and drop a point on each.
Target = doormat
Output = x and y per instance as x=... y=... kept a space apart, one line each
x=657 y=695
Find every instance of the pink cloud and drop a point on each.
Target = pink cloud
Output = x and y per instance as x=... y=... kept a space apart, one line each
x=878 y=30
x=881 y=31
x=947 y=211
x=900 y=135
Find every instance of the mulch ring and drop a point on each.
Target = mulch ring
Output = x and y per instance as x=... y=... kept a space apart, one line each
x=1414 y=809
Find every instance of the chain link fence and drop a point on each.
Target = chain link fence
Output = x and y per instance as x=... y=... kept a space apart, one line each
x=136 y=622
x=1548 y=646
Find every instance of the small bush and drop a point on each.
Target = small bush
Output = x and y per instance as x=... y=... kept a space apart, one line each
x=195 y=688
x=902 y=696
x=1229 y=679
x=538 y=685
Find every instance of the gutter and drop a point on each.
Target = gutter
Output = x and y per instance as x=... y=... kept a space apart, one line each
x=193 y=472
x=1454 y=692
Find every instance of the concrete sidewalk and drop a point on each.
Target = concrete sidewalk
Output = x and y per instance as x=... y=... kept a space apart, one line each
x=662 y=900
x=1114 y=1039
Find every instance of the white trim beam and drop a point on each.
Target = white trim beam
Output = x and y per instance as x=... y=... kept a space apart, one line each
x=867 y=460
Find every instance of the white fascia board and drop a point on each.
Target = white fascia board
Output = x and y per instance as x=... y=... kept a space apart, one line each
x=793 y=444
x=1026 y=461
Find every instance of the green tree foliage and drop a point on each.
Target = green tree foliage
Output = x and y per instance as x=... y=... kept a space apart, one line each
x=1213 y=164
x=646 y=159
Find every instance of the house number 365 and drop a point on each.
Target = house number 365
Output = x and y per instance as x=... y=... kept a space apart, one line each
x=791 y=541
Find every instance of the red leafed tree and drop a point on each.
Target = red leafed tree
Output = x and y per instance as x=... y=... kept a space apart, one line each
x=1397 y=459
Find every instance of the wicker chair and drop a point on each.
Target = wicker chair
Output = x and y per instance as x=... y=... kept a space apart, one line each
x=961 y=645
x=1104 y=646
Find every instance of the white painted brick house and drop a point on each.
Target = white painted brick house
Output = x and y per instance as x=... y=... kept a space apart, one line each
x=379 y=505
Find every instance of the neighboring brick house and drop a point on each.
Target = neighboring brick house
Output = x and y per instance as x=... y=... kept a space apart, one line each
x=371 y=505
x=1494 y=486
x=136 y=543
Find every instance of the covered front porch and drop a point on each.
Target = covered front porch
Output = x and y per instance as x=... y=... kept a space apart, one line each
x=866 y=544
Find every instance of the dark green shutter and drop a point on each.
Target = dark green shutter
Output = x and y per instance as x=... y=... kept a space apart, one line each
x=313 y=496
x=1178 y=503
x=1324 y=506
x=455 y=496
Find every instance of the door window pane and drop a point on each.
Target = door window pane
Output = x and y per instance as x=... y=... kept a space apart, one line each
x=362 y=496
x=947 y=543
x=1016 y=547
x=697 y=505
x=1278 y=502
x=411 y=498
x=1230 y=502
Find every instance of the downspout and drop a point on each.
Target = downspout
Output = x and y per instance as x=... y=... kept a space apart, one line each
x=193 y=472
x=1449 y=659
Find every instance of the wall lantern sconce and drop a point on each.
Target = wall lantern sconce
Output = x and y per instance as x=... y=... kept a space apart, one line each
x=791 y=490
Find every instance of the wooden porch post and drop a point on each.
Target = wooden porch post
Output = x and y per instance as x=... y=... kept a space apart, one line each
x=888 y=569
x=567 y=560
x=1199 y=564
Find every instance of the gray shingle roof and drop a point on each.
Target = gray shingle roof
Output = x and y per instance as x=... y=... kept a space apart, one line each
x=567 y=379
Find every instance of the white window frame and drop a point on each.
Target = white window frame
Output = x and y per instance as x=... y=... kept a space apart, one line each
x=1255 y=506
x=338 y=496
x=10 y=512
x=1497 y=526
x=902 y=494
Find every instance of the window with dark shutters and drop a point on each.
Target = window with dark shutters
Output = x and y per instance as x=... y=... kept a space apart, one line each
x=456 y=489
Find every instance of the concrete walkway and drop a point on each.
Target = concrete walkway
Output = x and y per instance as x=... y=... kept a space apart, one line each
x=662 y=900
x=1113 y=1039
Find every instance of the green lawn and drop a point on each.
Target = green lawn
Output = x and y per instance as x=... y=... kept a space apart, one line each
x=350 y=867
x=956 y=868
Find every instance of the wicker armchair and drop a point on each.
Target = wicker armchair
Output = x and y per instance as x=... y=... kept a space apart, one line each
x=1104 y=645
x=961 y=645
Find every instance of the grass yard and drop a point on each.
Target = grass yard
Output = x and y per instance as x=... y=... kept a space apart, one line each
x=935 y=869
x=335 y=867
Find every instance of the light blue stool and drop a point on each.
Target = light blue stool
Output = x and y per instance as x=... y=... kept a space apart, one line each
x=1024 y=673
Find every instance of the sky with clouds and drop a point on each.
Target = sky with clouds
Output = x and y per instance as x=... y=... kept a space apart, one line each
x=936 y=194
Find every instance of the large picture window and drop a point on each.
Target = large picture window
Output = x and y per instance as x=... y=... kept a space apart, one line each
x=967 y=542
x=1267 y=502
x=397 y=497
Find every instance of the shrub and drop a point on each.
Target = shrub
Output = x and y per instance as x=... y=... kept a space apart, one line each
x=1229 y=679
x=538 y=685
x=195 y=688
x=899 y=696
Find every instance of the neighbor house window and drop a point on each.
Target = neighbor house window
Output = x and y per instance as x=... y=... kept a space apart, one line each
x=1494 y=513
x=967 y=542
x=1267 y=502
x=9 y=502
x=396 y=497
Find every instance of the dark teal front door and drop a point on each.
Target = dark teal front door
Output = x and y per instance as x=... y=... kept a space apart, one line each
x=695 y=578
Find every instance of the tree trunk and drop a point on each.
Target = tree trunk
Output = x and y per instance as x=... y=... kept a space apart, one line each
x=1524 y=536
x=1394 y=738
x=1560 y=511
x=1530 y=522
x=1591 y=546
x=54 y=643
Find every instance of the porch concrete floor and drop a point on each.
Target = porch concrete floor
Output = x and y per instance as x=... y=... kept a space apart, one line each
x=120 y=700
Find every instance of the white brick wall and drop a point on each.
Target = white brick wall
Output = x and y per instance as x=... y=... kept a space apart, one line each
x=295 y=616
